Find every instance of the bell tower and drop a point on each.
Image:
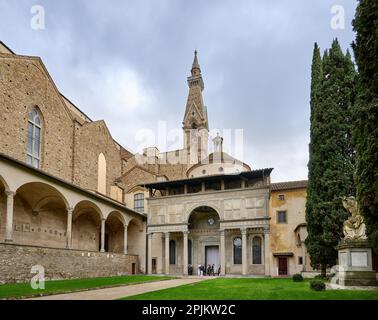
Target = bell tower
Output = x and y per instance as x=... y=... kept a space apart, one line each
x=195 y=123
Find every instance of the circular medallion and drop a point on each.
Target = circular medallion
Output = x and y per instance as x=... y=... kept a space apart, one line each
x=211 y=221
x=237 y=242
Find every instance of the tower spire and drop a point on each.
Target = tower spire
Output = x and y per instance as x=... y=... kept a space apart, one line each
x=195 y=65
x=195 y=123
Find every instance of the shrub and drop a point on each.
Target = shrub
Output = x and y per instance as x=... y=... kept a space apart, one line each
x=317 y=285
x=324 y=278
x=297 y=277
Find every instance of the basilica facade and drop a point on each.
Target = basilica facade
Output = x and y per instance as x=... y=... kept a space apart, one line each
x=77 y=202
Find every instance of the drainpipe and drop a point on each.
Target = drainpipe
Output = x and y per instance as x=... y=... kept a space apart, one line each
x=146 y=253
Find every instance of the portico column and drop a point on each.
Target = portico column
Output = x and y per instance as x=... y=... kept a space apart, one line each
x=125 y=238
x=102 y=235
x=185 y=253
x=222 y=253
x=149 y=253
x=267 y=253
x=244 y=251
x=166 y=265
x=69 y=228
x=9 y=222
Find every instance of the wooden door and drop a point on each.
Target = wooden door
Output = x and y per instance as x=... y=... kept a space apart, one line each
x=133 y=268
x=212 y=257
x=282 y=266
x=154 y=266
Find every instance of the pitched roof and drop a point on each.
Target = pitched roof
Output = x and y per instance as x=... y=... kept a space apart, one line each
x=287 y=185
x=260 y=173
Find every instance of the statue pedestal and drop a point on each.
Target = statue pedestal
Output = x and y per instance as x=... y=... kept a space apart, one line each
x=355 y=264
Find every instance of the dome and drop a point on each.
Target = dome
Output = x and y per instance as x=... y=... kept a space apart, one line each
x=217 y=163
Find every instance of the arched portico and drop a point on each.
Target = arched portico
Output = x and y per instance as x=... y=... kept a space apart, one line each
x=192 y=209
x=86 y=226
x=203 y=227
x=36 y=215
x=115 y=233
x=136 y=239
x=48 y=214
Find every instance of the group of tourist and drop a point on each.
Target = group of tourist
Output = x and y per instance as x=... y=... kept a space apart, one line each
x=207 y=271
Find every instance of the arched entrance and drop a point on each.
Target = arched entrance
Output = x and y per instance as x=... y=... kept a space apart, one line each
x=203 y=240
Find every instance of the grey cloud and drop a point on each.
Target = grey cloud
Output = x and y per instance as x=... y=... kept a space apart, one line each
x=255 y=58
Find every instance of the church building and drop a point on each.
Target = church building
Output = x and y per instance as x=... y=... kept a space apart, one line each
x=77 y=202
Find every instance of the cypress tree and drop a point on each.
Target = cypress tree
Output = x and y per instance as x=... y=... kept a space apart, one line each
x=365 y=132
x=331 y=163
x=314 y=227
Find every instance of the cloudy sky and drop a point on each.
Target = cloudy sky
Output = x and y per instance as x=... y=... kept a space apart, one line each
x=127 y=61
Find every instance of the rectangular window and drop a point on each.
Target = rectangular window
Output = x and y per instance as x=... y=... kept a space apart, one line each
x=256 y=250
x=281 y=217
x=281 y=197
x=237 y=250
x=300 y=260
x=172 y=252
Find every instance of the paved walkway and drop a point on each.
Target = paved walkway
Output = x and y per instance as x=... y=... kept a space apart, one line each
x=120 y=292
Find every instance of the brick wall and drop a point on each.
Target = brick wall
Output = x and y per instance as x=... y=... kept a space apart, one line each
x=24 y=85
x=91 y=139
x=65 y=143
x=16 y=262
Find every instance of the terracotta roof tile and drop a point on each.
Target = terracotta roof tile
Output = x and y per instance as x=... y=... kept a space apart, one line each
x=287 y=185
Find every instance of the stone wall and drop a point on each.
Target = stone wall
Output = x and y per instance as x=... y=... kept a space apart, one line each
x=91 y=139
x=69 y=148
x=135 y=177
x=16 y=262
x=25 y=84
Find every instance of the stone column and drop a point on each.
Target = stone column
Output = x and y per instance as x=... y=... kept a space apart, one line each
x=69 y=228
x=166 y=264
x=149 y=253
x=267 y=253
x=244 y=251
x=102 y=235
x=222 y=253
x=125 y=238
x=185 y=253
x=303 y=256
x=9 y=216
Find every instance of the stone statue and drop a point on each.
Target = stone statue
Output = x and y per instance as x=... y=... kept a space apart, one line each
x=354 y=228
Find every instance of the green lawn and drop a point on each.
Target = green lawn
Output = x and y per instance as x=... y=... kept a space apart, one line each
x=253 y=289
x=60 y=286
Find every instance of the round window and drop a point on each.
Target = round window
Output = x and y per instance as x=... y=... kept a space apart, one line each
x=237 y=242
